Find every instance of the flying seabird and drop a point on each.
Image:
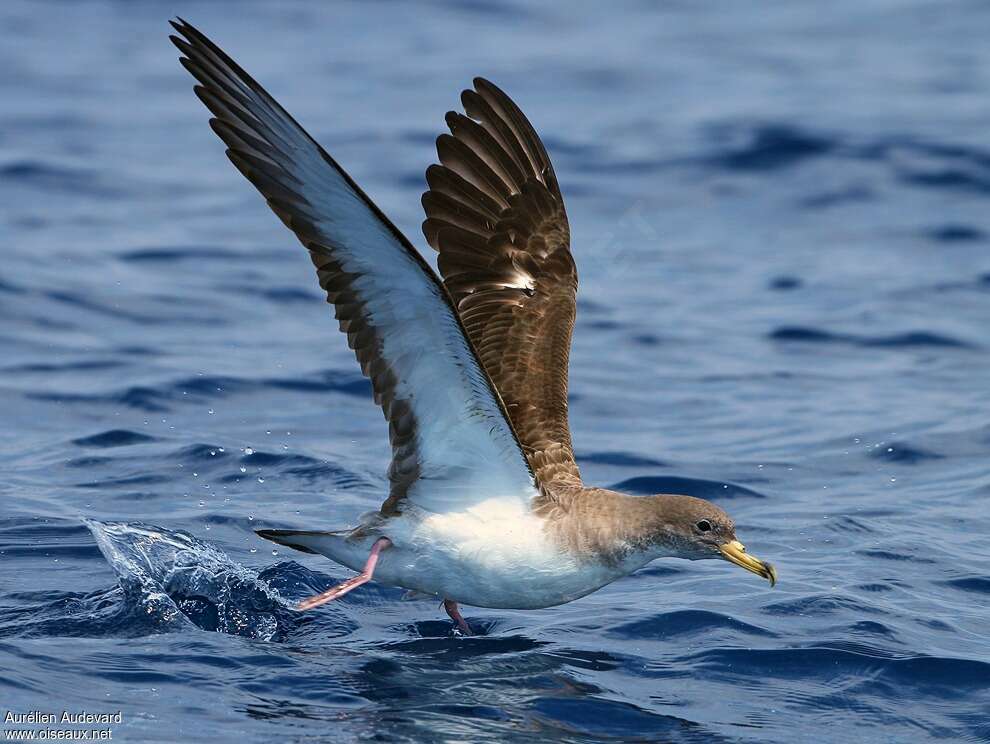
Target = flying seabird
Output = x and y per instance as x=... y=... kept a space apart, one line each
x=486 y=505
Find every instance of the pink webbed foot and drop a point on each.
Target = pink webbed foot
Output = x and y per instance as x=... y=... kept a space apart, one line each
x=353 y=583
x=457 y=617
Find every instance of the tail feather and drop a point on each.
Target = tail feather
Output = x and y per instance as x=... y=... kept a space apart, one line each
x=298 y=539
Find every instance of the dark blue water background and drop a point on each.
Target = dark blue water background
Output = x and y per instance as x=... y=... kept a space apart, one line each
x=780 y=216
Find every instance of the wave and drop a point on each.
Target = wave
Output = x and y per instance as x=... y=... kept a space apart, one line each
x=700 y=487
x=906 y=340
x=175 y=579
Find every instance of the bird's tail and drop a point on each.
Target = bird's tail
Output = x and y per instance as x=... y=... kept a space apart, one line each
x=307 y=541
x=337 y=545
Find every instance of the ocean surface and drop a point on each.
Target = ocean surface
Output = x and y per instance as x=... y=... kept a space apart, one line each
x=781 y=217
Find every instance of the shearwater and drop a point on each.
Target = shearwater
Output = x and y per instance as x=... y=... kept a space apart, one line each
x=486 y=505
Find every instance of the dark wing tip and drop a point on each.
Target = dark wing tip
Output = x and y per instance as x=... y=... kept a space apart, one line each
x=187 y=38
x=182 y=26
x=483 y=86
x=185 y=28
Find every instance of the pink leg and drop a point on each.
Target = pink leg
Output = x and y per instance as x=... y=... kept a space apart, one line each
x=455 y=615
x=353 y=583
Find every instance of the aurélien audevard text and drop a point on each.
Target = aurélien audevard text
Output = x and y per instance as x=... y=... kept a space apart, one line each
x=65 y=716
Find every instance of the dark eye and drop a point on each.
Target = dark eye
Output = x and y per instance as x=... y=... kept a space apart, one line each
x=704 y=526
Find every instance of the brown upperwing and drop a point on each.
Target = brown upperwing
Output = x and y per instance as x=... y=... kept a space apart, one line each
x=495 y=214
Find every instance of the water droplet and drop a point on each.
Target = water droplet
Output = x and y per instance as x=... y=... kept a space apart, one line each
x=213 y=453
x=248 y=451
x=254 y=550
x=243 y=469
x=274 y=552
x=211 y=411
x=260 y=479
x=893 y=480
x=202 y=503
x=250 y=517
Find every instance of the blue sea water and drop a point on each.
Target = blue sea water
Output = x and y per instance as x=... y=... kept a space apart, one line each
x=780 y=217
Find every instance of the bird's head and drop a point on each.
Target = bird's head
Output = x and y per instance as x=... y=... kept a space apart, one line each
x=692 y=528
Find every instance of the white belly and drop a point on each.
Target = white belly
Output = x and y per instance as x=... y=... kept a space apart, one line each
x=496 y=554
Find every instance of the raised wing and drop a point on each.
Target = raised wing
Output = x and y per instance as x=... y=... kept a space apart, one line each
x=495 y=214
x=452 y=445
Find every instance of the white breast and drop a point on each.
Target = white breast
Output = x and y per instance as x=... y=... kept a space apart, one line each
x=494 y=554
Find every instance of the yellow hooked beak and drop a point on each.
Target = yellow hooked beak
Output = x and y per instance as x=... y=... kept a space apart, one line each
x=735 y=551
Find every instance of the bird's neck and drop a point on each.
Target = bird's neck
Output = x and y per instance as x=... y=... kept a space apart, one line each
x=606 y=526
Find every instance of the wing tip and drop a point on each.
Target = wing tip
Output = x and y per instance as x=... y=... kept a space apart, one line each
x=182 y=26
x=189 y=37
